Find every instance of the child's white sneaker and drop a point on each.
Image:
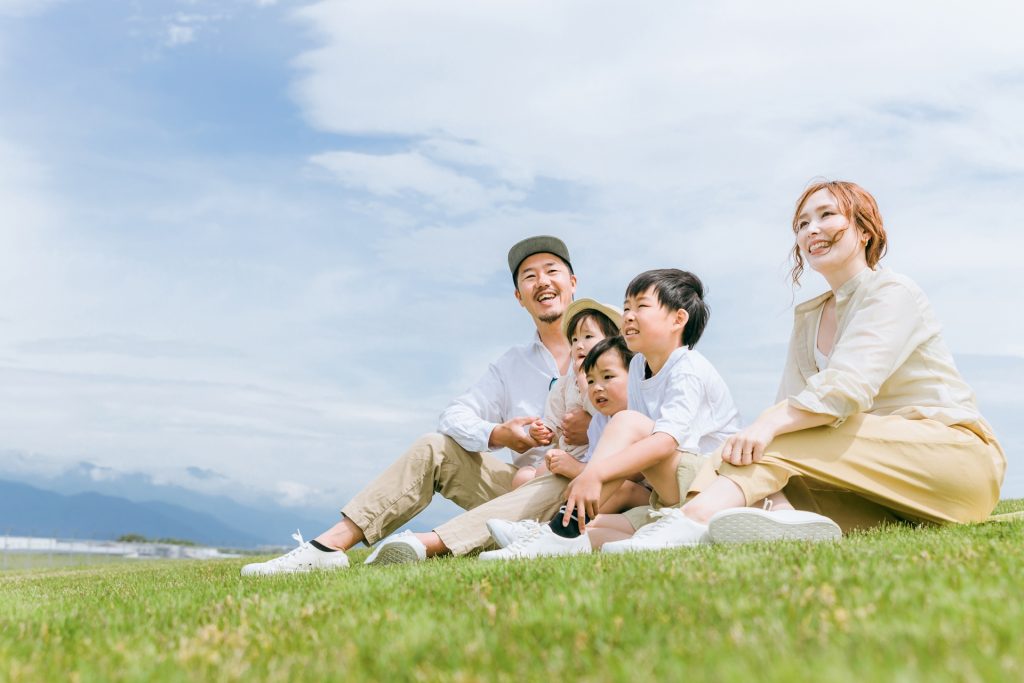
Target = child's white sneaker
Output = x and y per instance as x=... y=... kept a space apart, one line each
x=539 y=541
x=505 y=533
x=305 y=558
x=747 y=525
x=400 y=548
x=670 y=529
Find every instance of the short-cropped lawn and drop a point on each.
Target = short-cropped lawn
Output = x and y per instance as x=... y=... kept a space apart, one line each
x=895 y=604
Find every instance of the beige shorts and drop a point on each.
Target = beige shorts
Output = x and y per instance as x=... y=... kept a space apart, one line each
x=692 y=470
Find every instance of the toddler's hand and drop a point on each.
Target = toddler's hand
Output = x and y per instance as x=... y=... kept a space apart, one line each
x=540 y=433
x=560 y=462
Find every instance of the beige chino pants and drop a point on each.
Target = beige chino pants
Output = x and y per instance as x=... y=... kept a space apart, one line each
x=873 y=469
x=478 y=482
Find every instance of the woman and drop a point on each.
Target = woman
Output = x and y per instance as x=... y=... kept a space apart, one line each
x=874 y=422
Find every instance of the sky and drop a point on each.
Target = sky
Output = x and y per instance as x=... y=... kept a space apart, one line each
x=255 y=246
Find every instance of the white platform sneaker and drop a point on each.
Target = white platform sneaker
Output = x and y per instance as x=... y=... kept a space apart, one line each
x=748 y=525
x=305 y=558
x=505 y=533
x=402 y=548
x=539 y=541
x=670 y=529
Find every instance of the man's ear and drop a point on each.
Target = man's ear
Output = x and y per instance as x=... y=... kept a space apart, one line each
x=519 y=298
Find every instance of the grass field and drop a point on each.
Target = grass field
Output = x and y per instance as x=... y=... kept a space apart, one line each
x=900 y=604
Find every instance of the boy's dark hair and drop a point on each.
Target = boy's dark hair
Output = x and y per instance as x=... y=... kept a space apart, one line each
x=616 y=343
x=676 y=289
x=604 y=323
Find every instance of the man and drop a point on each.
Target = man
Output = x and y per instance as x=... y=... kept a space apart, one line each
x=494 y=413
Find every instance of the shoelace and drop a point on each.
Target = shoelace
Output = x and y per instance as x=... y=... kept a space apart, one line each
x=280 y=560
x=529 y=535
x=661 y=518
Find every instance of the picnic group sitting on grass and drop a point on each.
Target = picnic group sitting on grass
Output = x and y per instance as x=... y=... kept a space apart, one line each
x=625 y=438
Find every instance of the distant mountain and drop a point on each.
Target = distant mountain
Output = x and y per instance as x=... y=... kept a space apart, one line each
x=29 y=511
x=268 y=522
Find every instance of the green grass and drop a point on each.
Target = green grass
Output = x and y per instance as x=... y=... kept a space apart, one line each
x=899 y=604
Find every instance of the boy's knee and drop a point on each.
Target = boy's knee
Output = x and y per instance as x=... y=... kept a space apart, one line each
x=633 y=421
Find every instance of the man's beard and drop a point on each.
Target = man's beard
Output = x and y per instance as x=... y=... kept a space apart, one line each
x=550 y=318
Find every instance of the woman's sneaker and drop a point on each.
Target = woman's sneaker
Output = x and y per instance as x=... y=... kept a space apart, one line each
x=305 y=558
x=749 y=525
x=505 y=533
x=670 y=529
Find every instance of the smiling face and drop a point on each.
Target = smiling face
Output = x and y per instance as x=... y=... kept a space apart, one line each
x=832 y=244
x=584 y=337
x=544 y=287
x=649 y=327
x=608 y=382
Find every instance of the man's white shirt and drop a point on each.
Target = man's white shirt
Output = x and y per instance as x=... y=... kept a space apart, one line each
x=515 y=385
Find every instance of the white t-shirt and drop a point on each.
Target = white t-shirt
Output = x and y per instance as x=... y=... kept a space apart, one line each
x=687 y=399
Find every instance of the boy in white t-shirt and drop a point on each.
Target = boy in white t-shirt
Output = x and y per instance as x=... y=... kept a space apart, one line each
x=679 y=409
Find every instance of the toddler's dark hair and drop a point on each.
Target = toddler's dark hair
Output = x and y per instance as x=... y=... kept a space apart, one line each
x=676 y=289
x=604 y=323
x=616 y=343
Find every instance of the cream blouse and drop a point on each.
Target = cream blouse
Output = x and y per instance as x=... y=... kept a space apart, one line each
x=889 y=357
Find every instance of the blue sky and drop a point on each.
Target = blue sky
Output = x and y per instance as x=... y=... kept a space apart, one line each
x=266 y=239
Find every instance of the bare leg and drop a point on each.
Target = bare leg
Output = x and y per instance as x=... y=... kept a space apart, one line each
x=342 y=535
x=608 y=528
x=629 y=495
x=523 y=475
x=723 y=494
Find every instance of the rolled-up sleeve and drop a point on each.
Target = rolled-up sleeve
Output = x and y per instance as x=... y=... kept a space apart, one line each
x=472 y=416
x=880 y=336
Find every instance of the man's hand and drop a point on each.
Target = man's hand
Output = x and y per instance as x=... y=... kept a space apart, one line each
x=584 y=496
x=540 y=433
x=560 y=462
x=512 y=434
x=574 y=427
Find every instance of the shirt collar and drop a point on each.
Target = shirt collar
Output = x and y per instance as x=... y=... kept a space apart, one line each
x=844 y=292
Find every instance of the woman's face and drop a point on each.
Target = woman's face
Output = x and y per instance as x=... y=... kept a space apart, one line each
x=828 y=241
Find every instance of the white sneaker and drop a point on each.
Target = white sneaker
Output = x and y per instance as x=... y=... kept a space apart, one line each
x=505 y=533
x=670 y=529
x=305 y=558
x=539 y=541
x=400 y=548
x=747 y=525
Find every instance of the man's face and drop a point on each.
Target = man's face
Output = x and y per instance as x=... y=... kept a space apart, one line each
x=545 y=287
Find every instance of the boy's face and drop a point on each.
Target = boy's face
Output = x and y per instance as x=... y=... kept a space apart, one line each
x=650 y=328
x=607 y=383
x=584 y=337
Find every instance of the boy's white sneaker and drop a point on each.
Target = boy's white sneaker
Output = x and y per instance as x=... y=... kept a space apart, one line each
x=505 y=533
x=539 y=541
x=670 y=529
x=400 y=548
x=305 y=558
x=748 y=525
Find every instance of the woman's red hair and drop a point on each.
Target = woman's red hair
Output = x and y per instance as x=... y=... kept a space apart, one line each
x=859 y=207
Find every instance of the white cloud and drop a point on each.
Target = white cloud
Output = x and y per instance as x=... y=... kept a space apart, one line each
x=392 y=175
x=178 y=34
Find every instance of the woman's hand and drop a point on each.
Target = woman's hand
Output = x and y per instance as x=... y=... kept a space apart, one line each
x=748 y=445
x=560 y=462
